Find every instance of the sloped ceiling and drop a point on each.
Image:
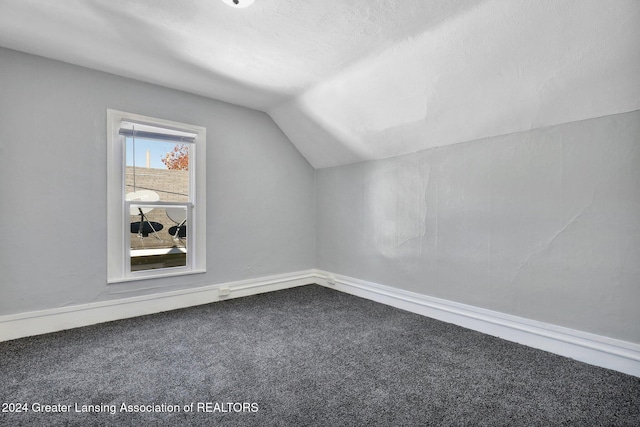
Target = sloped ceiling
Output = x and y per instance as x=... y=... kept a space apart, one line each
x=365 y=79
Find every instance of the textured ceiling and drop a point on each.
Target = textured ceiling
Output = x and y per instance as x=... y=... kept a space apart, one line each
x=364 y=79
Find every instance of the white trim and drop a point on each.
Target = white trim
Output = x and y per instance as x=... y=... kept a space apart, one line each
x=157 y=251
x=118 y=265
x=594 y=349
x=41 y=322
x=169 y=272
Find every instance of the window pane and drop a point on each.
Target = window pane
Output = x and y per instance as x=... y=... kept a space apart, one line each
x=158 y=237
x=156 y=241
x=161 y=167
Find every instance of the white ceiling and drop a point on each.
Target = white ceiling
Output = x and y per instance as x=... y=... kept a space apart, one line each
x=363 y=79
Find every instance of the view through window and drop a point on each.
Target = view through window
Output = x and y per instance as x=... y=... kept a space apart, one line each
x=159 y=232
x=158 y=184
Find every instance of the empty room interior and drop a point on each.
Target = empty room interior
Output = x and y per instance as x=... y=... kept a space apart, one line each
x=281 y=212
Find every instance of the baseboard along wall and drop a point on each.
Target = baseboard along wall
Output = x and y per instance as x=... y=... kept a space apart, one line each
x=594 y=349
x=57 y=319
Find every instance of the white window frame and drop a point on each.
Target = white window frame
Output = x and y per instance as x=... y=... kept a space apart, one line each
x=118 y=227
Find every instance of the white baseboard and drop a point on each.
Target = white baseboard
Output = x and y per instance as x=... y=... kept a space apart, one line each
x=589 y=348
x=594 y=349
x=58 y=319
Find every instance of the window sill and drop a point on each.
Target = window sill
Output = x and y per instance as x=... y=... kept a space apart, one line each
x=147 y=276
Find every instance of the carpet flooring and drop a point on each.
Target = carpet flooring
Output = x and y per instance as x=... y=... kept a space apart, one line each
x=306 y=356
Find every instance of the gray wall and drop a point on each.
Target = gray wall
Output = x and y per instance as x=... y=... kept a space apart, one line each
x=543 y=224
x=260 y=190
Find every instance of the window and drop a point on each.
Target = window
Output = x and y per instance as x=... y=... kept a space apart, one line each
x=156 y=199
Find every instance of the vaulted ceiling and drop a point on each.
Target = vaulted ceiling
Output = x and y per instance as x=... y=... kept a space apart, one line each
x=364 y=79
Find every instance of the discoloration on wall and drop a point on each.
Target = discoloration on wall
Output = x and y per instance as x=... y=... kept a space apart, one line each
x=543 y=225
x=396 y=208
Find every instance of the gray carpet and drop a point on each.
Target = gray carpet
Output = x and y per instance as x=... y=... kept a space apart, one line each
x=303 y=357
